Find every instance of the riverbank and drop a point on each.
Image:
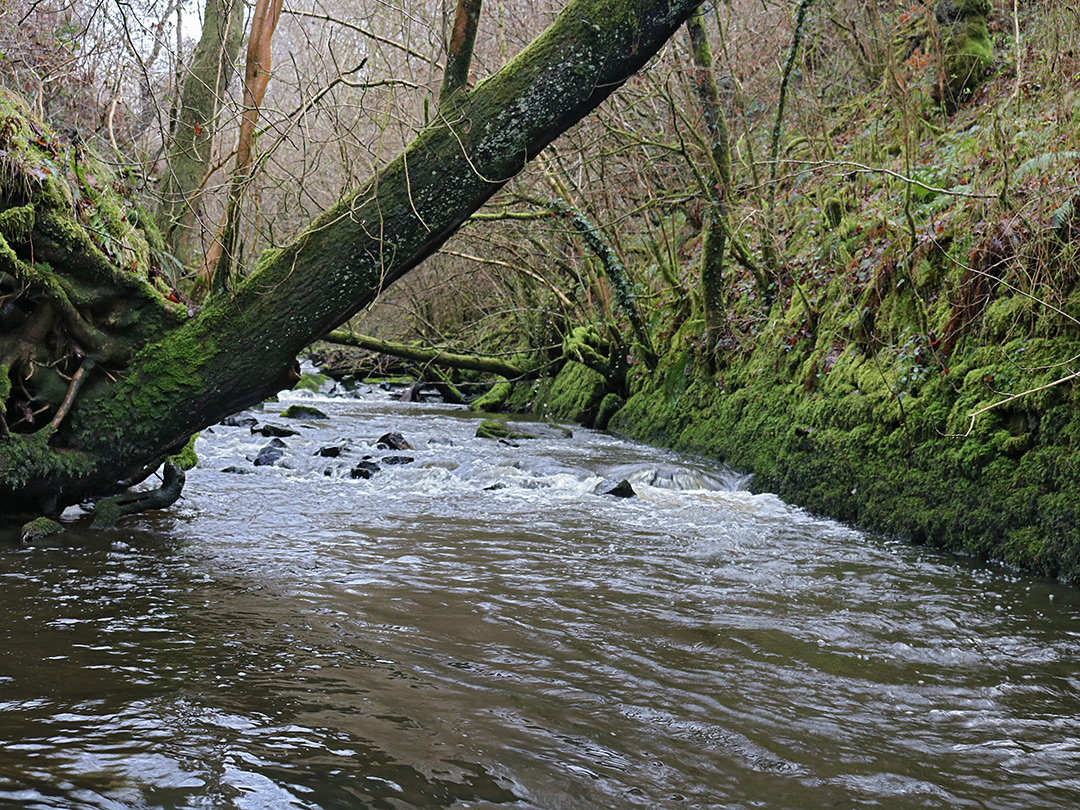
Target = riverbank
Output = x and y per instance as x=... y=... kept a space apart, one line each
x=844 y=443
x=890 y=330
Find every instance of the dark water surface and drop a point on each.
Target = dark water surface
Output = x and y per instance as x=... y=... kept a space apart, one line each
x=477 y=629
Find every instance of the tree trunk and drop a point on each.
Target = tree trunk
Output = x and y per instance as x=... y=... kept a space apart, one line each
x=434 y=357
x=240 y=349
x=193 y=137
x=967 y=50
x=716 y=219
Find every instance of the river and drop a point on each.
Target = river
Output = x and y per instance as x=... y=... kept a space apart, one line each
x=477 y=629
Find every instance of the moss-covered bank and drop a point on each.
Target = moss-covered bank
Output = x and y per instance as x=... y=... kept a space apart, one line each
x=853 y=447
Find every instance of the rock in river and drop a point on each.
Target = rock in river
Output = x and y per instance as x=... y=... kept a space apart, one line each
x=270 y=454
x=392 y=441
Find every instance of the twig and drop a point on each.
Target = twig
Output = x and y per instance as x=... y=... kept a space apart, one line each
x=1007 y=400
x=69 y=399
x=864 y=169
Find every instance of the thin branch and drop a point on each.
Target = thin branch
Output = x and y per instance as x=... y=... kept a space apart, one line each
x=1007 y=400
x=369 y=34
x=73 y=389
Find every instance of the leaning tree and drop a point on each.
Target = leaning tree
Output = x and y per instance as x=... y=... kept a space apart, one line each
x=104 y=375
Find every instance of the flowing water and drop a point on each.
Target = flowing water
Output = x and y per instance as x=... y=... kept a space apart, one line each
x=477 y=629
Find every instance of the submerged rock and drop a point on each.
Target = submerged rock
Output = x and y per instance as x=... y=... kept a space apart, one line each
x=236 y=470
x=239 y=420
x=365 y=469
x=398 y=460
x=494 y=429
x=620 y=488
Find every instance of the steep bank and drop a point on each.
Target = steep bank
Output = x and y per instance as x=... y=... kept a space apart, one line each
x=913 y=370
x=850 y=447
x=888 y=330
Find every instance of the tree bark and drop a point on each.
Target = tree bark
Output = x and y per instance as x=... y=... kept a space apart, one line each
x=435 y=357
x=460 y=51
x=717 y=226
x=193 y=137
x=240 y=349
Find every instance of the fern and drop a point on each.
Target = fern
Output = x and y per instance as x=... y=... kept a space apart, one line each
x=1042 y=163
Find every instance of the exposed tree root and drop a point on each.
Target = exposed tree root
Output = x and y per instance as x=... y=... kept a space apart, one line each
x=108 y=511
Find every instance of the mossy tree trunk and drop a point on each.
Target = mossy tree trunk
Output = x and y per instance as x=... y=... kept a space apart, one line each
x=716 y=219
x=174 y=380
x=433 y=357
x=201 y=99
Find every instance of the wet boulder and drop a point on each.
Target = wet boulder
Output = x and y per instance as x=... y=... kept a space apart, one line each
x=39 y=529
x=296 y=411
x=617 y=488
x=365 y=469
x=271 y=454
x=240 y=420
x=392 y=441
x=398 y=460
x=333 y=450
x=414 y=393
x=271 y=430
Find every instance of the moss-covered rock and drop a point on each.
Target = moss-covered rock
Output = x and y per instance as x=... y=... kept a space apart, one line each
x=494 y=429
x=313 y=382
x=575 y=394
x=297 y=411
x=609 y=406
x=39 y=528
x=900 y=458
x=494 y=399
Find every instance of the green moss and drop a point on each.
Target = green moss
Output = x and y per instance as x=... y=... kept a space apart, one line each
x=187 y=458
x=312 y=382
x=1009 y=490
x=575 y=394
x=493 y=400
x=494 y=429
x=40 y=528
x=967 y=49
x=24 y=457
x=297 y=411
x=833 y=212
x=609 y=406
x=17 y=222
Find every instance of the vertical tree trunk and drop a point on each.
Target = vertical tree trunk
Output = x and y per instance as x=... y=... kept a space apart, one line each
x=716 y=220
x=201 y=99
x=460 y=50
x=220 y=262
x=967 y=51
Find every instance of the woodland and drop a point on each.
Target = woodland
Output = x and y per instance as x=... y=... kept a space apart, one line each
x=831 y=242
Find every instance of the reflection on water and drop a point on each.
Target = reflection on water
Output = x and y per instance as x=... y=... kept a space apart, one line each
x=475 y=628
